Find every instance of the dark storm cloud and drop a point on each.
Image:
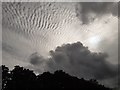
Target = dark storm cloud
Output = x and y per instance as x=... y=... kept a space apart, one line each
x=35 y=59
x=77 y=59
x=99 y=9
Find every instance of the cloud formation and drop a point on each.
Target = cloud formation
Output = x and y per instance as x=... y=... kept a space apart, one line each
x=78 y=60
x=35 y=59
x=89 y=11
x=40 y=27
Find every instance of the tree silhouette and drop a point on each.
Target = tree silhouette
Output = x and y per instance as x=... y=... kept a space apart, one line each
x=24 y=79
x=5 y=76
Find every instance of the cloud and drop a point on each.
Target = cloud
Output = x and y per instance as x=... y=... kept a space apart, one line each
x=55 y=22
x=78 y=60
x=89 y=11
x=36 y=59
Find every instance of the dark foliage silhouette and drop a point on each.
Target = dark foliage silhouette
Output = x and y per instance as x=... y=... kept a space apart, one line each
x=24 y=79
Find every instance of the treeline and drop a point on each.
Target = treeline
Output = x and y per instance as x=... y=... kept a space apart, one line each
x=24 y=79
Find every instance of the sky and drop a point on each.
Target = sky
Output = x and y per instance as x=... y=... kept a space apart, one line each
x=79 y=38
x=60 y=0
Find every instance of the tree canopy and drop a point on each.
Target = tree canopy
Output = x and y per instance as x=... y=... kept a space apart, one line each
x=24 y=79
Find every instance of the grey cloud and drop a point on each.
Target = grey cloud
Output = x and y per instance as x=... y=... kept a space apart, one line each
x=81 y=60
x=84 y=9
x=35 y=59
x=78 y=60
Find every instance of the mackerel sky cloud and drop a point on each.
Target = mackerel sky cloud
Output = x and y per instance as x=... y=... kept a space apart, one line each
x=32 y=32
